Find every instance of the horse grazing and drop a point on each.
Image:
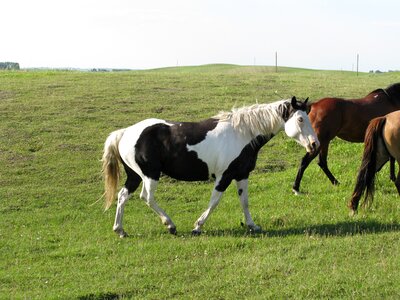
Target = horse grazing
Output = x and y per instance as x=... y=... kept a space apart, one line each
x=224 y=147
x=347 y=119
x=382 y=142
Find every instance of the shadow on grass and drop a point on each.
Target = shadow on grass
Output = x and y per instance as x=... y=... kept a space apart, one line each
x=107 y=296
x=338 y=229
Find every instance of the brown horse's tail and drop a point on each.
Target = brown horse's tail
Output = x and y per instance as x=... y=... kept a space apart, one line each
x=111 y=159
x=366 y=174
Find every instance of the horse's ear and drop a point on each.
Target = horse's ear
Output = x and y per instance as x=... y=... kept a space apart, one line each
x=305 y=101
x=294 y=103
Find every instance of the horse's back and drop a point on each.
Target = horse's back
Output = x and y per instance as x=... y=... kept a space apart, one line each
x=347 y=118
x=190 y=151
x=326 y=117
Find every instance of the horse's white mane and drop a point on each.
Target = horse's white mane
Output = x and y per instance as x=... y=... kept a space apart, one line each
x=256 y=119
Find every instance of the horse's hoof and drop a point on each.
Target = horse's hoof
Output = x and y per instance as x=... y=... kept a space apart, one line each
x=122 y=234
x=352 y=213
x=255 y=229
x=196 y=232
x=172 y=230
x=296 y=192
x=335 y=182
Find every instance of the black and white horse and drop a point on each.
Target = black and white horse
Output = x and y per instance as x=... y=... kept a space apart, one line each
x=224 y=147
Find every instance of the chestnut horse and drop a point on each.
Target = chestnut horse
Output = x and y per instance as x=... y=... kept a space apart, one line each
x=382 y=142
x=347 y=119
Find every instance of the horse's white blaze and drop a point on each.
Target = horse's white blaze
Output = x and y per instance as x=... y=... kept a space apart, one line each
x=299 y=128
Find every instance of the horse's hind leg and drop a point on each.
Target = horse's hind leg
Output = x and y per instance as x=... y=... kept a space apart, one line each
x=147 y=194
x=132 y=182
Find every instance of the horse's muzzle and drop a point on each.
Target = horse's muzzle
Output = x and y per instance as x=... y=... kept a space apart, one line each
x=314 y=147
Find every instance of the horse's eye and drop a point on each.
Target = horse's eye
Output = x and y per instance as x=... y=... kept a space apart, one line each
x=300 y=120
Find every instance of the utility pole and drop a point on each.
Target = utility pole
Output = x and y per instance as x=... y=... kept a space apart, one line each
x=276 y=61
x=357 y=62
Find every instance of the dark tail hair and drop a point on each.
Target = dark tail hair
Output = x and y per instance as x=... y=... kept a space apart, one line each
x=366 y=174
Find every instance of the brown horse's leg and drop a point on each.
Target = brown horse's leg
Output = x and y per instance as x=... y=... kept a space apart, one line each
x=393 y=170
x=397 y=182
x=303 y=166
x=323 y=163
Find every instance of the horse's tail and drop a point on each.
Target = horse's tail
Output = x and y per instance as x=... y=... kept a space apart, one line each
x=367 y=172
x=111 y=159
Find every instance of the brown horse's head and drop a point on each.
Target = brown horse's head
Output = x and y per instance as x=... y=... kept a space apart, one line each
x=393 y=91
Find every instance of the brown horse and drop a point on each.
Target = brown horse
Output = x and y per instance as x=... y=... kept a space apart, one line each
x=382 y=141
x=347 y=119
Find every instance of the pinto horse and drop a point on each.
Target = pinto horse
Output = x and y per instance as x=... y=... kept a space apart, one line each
x=347 y=119
x=224 y=147
x=382 y=142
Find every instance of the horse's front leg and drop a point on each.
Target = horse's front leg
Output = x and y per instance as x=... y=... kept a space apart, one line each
x=323 y=163
x=397 y=182
x=215 y=197
x=242 y=189
x=392 y=169
x=305 y=161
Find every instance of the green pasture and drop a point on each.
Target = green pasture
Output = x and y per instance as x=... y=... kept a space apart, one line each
x=56 y=241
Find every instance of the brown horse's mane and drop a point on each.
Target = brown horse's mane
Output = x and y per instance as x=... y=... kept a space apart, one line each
x=392 y=92
x=380 y=90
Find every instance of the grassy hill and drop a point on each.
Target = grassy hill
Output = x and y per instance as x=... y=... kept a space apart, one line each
x=57 y=242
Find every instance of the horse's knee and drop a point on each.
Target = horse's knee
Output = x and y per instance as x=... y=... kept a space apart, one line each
x=143 y=194
x=123 y=196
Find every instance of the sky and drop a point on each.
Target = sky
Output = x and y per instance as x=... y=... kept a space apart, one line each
x=316 y=34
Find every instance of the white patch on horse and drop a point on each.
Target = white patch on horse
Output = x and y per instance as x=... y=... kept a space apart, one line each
x=130 y=137
x=220 y=147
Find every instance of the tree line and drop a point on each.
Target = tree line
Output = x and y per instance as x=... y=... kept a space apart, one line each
x=9 y=66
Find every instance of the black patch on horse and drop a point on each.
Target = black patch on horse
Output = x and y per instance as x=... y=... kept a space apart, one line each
x=192 y=132
x=163 y=148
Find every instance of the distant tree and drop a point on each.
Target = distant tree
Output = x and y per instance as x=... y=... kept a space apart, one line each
x=9 y=66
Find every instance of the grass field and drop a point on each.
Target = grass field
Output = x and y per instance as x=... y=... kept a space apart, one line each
x=57 y=242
